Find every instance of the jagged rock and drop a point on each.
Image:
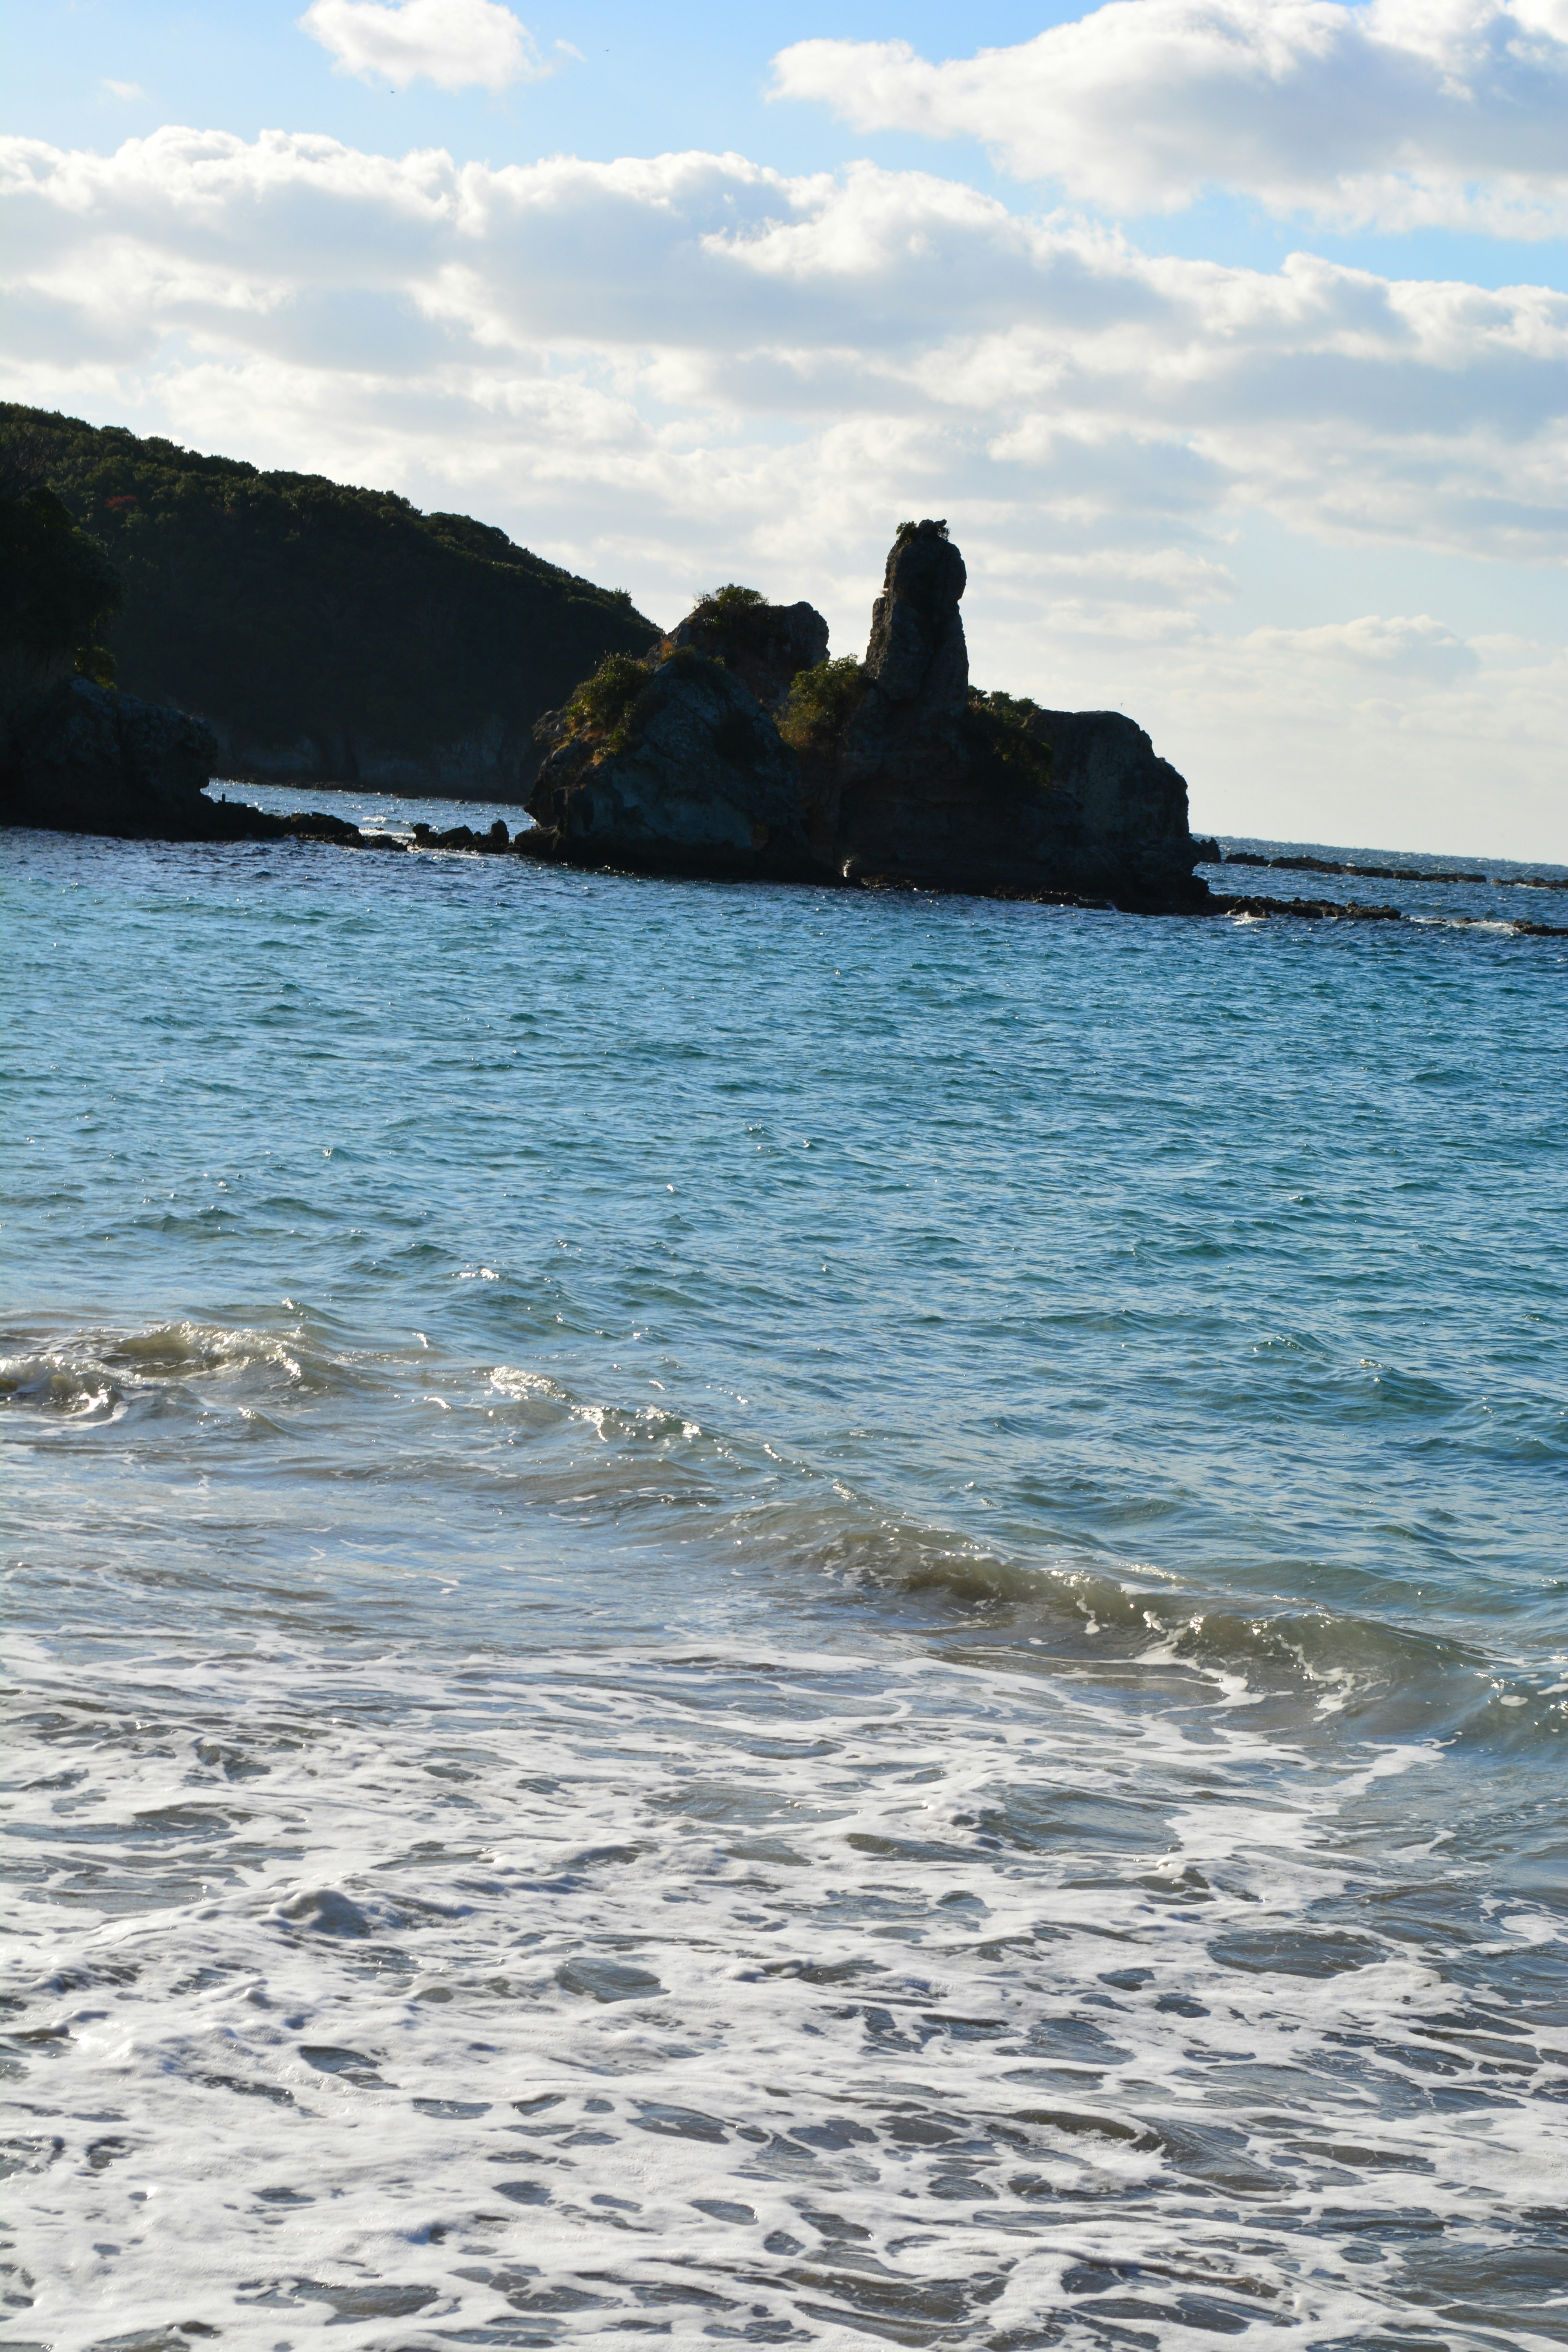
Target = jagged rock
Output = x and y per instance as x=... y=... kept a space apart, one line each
x=939 y=786
x=80 y=758
x=1115 y=818
x=316 y=824
x=903 y=766
x=908 y=789
x=890 y=773
x=690 y=777
x=767 y=646
x=1307 y=910
x=463 y=836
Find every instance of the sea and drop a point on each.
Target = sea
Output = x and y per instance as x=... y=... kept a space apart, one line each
x=743 y=1615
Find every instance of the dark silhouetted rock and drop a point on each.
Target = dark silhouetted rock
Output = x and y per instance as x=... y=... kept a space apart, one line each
x=903 y=767
x=767 y=646
x=957 y=791
x=80 y=758
x=891 y=773
x=1115 y=818
x=1307 y=910
x=689 y=776
x=463 y=836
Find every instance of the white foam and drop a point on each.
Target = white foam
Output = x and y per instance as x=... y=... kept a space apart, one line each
x=795 y=1996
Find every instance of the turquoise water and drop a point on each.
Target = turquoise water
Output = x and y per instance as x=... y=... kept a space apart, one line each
x=780 y=1617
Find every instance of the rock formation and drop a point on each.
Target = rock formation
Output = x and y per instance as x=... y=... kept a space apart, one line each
x=737 y=748
x=77 y=756
x=1115 y=820
x=764 y=646
x=80 y=758
x=672 y=766
x=328 y=635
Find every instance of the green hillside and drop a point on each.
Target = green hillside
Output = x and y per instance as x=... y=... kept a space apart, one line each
x=326 y=632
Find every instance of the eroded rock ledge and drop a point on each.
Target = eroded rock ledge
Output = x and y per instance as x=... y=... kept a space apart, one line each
x=735 y=747
x=77 y=757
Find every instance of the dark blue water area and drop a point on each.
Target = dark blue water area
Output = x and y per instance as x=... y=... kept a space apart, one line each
x=786 y=1613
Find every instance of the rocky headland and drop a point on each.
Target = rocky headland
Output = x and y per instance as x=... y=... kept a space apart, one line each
x=76 y=755
x=327 y=635
x=736 y=747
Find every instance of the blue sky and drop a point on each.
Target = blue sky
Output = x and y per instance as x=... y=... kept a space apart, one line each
x=1231 y=336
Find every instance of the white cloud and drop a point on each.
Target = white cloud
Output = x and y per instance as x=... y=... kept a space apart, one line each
x=664 y=370
x=1401 y=114
x=123 y=88
x=1376 y=734
x=452 y=43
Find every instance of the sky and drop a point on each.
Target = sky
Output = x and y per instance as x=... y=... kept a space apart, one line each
x=1229 y=336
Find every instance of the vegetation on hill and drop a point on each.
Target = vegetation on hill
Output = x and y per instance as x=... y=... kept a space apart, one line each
x=285 y=608
x=1004 y=751
x=820 y=703
x=57 y=588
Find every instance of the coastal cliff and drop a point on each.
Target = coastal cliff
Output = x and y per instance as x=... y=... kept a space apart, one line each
x=325 y=635
x=736 y=747
x=75 y=754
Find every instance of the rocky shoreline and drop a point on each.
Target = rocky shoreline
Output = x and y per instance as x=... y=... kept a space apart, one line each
x=1303 y=864
x=734 y=748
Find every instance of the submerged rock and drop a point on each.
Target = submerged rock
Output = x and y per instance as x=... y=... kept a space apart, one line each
x=1308 y=910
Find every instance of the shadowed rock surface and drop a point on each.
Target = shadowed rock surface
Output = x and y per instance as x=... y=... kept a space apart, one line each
x=77 y=756
x=761 y=757
x=80 y=758
x=764 y=646
x=690 y=776
x=1116 y=817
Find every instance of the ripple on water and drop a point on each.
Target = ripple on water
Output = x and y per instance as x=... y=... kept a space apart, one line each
x=778 y=1617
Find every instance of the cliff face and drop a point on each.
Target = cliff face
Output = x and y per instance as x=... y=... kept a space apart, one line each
x=1116 y=817
x=892 y=772
x=906 y=791
x=679 y=769
x=764 y=646
x=80 y=758
x=327 y=635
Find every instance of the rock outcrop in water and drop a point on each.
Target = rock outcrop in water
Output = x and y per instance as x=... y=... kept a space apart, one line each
x=77 y=756
x=674 y=767
x=80 y=758
x=736 y=747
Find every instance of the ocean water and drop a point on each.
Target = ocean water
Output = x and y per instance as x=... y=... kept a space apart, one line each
x=746 y=1616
